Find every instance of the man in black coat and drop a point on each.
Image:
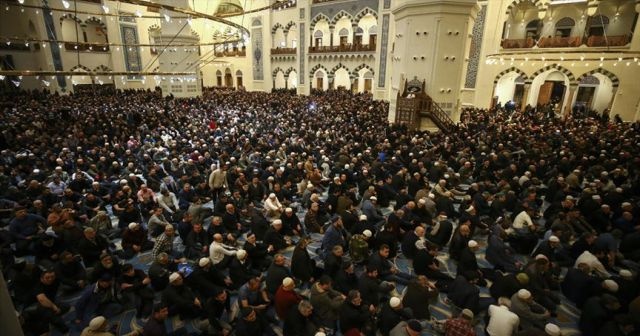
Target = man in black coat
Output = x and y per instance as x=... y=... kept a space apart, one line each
x=469 y=263
x=386 y=270
x=299 y=321
x=507 y=284
x=275 y=237
x=579 y=285
x=392 y=313
x=463 y=293
x=346 y=279
x=459 y=241
x=180 y=299
x=205 y=280
x=276 y=273
x=425 y=263
x=355 y=315
x=408 y=244
x=371 y=288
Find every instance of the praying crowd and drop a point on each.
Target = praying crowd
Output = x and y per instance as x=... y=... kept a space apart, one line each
x=217 y=191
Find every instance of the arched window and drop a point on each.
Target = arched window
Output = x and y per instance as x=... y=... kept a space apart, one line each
x=344 y=36
x=238 y=79
x=317 y=36
x=533 y=29
x=597 y=25
x=218 y=78
x=564 y=27
x=228 y=78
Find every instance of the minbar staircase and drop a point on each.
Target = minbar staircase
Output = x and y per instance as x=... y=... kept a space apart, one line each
x=439 y=117
x=413 y=104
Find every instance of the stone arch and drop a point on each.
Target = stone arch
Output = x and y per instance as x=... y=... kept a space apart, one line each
x=80 y=67
x=95 y=20
x=102 y=68
x=276 y=70
x=256 y=22
x=614 y=79
x=515 y=3
x=335 y=68
x=555 y=66
x=275 y=28
x=286 y=73
x=72 y=17
x=362 y=14
x=356 y=71
x=316 y=68
x=154 y=28
x=511 y=69
x=339 y=16
x=316 y=19
x=288 y=26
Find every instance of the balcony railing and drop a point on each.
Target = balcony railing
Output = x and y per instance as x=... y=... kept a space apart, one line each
x=560 y=42
x=516 y=44
x=568 y=42
x=609 y=41
x=97 y=47
x=343 y=48
x=231 y=53
x=283 y=51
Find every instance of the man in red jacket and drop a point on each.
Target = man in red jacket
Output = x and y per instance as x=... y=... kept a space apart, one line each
x=286 y=297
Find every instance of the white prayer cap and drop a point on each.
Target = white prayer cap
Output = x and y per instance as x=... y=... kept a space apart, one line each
x=204 y=262
x=174 y=276
x=363 y=217
x=611 y=285
x=472 y=243
x=241 y=254
x=626 y=274
x=394 y=302
x=554 y=239
x=524 y=294
x=367 y=233
x=552 y=329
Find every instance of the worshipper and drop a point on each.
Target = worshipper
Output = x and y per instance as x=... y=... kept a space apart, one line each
x=464 y=293
x=91 y=246
x=197 y=242
x=286 y=298
x=425 y=263
x=240 y=269
x=532 y=314
x=408 y=245
x=216 y=307
x=578 y=284
x=48 y=306
x=250 y=295
x=335 y=235
x=333 y=262
x=275 y=237
x=24 y=228
x=459 y=241
x=461 y=325
x=420 y=292
x=469 y=263
x=291 y=223
x=220 y=253
x=249 y=324
x=372 y=289
x=392 y=313
x=180 y=299
x=346 y=279
x=354 y=316
x=359 y=247
x=276 y=273
x=100 y=298
x=407 y=328
x=134 y=240
x=596 y=312
x=98 y=326
x=303 y=268
x=502 y=321
x=205 y=279
x=326 y=301
x=440 y=232
x=155 y=326
x=166 y=243
x=299 y=321
x=499 y=254
x=160 y=270
x=135 y=290
x=507 y=284
x=386 y=270
x=70 y=272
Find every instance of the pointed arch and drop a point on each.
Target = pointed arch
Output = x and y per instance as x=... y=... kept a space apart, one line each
x=316 y=19
x=316 y=68
x=339 y=16
x=276 y=70
x=80 y=67
x=288 y=26
x=511 y=69
x=96 y=21
x=102 y=68
x=555 y=66
x=362 y=14
x=71 y=17
x=337 y=67
x=286 y=73
x=356 y=71
x=275 y=28
x=614 y=79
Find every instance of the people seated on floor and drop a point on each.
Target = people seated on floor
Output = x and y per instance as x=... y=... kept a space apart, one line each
x=591 y=211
